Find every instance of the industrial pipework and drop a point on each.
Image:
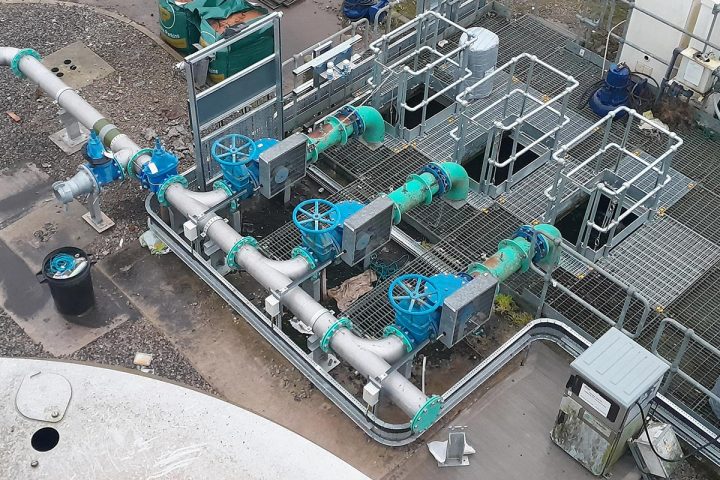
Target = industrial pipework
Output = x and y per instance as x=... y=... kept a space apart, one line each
x=127 y=156
x=372 y=358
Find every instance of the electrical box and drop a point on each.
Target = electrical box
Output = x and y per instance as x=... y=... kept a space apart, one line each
x=371 y=393
x=283 y=165
x=367 y=230
x=696 y=70
x=599 y=411
x=272 y=306
x=190 y=229
x=467 y=309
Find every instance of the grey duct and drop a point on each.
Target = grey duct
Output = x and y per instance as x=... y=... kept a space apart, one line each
x=372 y=358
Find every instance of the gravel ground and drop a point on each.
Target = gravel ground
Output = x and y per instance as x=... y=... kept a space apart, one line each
x=116 y=348
x=142 y=97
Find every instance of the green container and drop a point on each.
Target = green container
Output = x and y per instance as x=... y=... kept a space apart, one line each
x=178 y=25
x=241 y=54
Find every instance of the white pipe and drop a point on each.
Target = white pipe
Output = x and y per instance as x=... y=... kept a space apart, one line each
x=120 y=144
x=369 y=357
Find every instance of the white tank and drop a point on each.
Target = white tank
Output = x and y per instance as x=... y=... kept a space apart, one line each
x=482 y=58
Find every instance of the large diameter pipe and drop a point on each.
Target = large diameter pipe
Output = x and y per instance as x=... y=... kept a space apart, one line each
x=338 y=128
x=120 y=144
x=421 y=188
x=368 y=358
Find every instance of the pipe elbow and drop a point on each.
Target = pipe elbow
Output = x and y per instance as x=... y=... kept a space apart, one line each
x=374 y=124
x=459 y=181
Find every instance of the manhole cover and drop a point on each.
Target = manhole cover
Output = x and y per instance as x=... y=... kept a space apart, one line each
x=77 y=65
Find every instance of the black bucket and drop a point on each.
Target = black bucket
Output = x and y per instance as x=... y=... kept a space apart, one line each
x=73 y=295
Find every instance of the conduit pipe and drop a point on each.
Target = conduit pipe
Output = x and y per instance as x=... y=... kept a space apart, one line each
x=362 y=354
x=26 y=63
x=372 y=358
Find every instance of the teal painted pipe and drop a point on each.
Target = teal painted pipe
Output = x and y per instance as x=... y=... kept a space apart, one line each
x=418 y=190
x=514 y=255
x=337 y=129
x=421 y=188
x=459 y=181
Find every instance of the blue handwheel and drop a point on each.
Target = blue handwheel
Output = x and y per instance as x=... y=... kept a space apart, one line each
x=413 y=294
x=233 y=149
x=316 y=216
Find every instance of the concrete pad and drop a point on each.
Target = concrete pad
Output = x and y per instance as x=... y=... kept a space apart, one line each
x=23 y=246
x=46 y=228
x=236 y=360
x=20 y=190
x=30 y=304
x=77 y=65
x=509 y=427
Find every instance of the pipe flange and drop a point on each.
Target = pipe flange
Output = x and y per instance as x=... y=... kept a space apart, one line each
x=443 y=180
x=163 y=188
x=304 y=253
x=222 y=185
x=393 y=330
x=541 y=244
x=136 y=155
x=230 y=257
x=209 y=223
x=426 y=416
x=351 y=112
x=343 y=322
x=15 y=62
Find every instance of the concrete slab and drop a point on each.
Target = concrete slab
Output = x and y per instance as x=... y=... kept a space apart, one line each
x=45 y=228
x=236 y=360
x=509 y=427
x=30 y=304
x=77 y=65
x=20 y=190
x=23 y=246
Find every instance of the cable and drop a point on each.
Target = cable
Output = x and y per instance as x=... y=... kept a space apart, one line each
x=684 y=457
x=588 y=93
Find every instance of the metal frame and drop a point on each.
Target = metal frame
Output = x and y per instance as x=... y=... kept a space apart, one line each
x=630 y=197
x=236 y=117
x=426 y=29
x=476 y=114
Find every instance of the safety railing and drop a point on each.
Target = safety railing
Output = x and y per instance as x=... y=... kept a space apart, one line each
x=693 y=361
x=615 y=175
x=511 y=100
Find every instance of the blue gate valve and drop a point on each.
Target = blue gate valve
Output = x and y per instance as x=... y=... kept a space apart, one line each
x=162 y=165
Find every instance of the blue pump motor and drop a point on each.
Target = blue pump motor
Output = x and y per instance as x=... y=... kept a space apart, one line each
x=103 y=166
x=357 y=9
x=417 y=301
x=238 y=157
x=613 y=93
x=321 y=225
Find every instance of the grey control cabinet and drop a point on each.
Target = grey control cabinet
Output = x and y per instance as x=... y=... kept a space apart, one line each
x=599 y=411
x=367 y=230
x=282 y=165
x=467 y=309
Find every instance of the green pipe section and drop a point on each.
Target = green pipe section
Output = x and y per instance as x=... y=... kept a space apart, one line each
x=336 y=129
x=459 y=181
x=418 y=190
x=514 y=255
x=421 y=188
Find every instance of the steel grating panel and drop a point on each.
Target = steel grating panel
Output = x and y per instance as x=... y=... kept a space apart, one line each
x=698 y=210
x=647 y=259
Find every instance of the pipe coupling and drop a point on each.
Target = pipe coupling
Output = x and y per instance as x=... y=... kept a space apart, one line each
x=82 y=183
